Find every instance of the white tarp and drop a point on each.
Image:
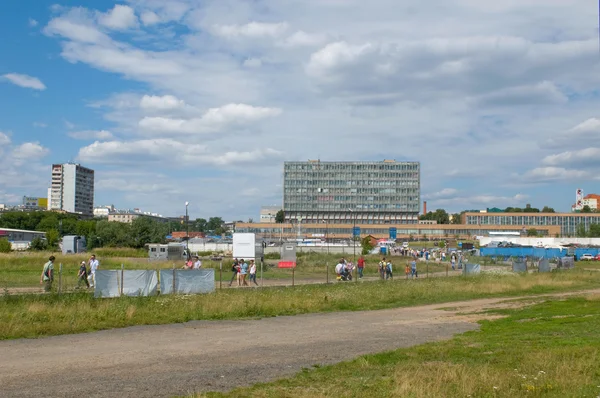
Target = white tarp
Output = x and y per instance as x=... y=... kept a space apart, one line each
x=471 y=268
x=140 y=283
x=187 y=281
x=108 y=283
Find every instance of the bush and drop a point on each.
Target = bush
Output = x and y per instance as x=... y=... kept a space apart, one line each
x=38 y=244
x=5 y=246
x=272 y=256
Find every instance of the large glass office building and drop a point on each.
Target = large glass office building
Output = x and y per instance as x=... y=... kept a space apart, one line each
x=385 y=192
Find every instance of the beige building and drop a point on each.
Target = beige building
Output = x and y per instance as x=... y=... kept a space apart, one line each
x=128 y=217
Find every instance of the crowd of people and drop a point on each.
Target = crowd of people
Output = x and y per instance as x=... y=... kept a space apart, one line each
x=240 y=271
x=86 y=274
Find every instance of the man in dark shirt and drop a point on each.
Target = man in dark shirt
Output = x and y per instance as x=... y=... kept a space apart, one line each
x=82 y=275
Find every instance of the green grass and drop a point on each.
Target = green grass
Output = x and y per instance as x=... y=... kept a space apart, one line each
x=45 y=315
x=546 y=350
x=19 y=270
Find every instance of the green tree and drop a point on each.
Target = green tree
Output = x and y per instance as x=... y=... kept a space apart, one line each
x=52 y=237
x=113 y=234
x=594 y=231
x=48 y=223
x=529 y=209
x=280 y=217
x=547 y=209
x=215 y=224
x=457 y=218
x=200 y=224
x=38 y=244
x=532 y=232
x=586 y=209
x=442 y=244
x=440 y=215
x=144 y=230
x=581 y=232
x=5 y=246
x=366 y=245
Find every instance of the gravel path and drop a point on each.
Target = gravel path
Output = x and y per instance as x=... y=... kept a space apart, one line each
x=167 y=360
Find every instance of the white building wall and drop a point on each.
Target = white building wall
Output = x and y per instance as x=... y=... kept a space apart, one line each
x=68 y=187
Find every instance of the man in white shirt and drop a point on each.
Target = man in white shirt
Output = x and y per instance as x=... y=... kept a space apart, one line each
x=339 y=269
x=94 y=264
x=197 y=263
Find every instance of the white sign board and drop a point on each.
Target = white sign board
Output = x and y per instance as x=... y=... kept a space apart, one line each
x=244 y=245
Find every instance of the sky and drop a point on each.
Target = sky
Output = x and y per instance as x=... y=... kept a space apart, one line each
x=203 y=100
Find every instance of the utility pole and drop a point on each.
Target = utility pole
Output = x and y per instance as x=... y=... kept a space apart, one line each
x=187 y=230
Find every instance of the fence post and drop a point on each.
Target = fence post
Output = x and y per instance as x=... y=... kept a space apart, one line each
x=59 y=278
x=122 y=279
x=327 y=276
x=427 y=270
x=221 y=275
x=261 y=272
x=173 y=278
x=293 y=269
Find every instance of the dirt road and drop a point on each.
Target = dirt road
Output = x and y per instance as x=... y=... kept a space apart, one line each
x=162 y=361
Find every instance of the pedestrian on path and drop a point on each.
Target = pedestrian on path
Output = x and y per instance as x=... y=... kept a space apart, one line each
x=243 y=273
x=361 y=266
x=413 y=269
x=82 y=276
x=253 y=272
x=382 y=266
x=94 y=264
x=388 y=270
x=234 y=271
x=47 y=276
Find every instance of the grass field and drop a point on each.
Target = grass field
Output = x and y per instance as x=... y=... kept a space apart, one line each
x=45 y=315
x=24 y=269
x=547 y=350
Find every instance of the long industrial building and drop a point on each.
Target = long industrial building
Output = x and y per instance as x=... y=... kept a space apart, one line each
x=384 y=192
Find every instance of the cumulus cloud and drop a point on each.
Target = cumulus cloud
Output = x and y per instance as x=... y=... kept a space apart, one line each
x=91 y=135
x=166 y=102
x=212 y=120
x=24 y=81
x=587 y=132
x=32 y=23
x=29 y=150
x=149 y=18
x=250 y=30
x=539 y=94
x=303 y=39
x=119 y=18
x=555 y=174
x=252 y=62
x=174 y=153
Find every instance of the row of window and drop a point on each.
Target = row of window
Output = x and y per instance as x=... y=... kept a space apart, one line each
x=358 y=166
x=372 y=231
x=350 y=183
x=376 y=191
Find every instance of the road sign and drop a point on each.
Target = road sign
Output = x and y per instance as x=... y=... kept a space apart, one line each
x=393 y=233
x=356 y=231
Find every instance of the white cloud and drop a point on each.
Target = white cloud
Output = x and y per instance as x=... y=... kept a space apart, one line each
x=4 y=139
x=212 y=120
x=301 y=39
x=32 y=23
x=29 y=150
x=77 y=28
x=251 y=30
x=444 y=193
x=569 y=158
x=174 y=153
x=587 y=132
x=40 y=125
x=252 y=63
x=91 y=135
x=487 y=200
x=119 y=18
x=25 y=81
x=149 y=18
x=166 y=102
x=554 y=174
x=539 y=94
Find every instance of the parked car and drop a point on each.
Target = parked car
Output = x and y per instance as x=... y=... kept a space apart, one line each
x=597 y=258
x=587 y=257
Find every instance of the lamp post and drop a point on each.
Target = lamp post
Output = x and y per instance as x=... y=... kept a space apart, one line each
x=353 y=236
x=326 y=235
x=187 y=230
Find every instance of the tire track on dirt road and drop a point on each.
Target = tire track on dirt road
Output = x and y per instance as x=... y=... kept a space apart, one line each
x=166 y=360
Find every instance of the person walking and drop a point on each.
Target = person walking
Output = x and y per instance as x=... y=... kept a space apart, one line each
x=94 y=264
x=234 y=271
x=382 y=265
x=388 y=270
x=413 y=269
x=361 y=266
x=47 y=276
x=82 y=276
x=407 y=270
x=253 y=272
x=453 y=261
x=197 y=263
x=243 y=273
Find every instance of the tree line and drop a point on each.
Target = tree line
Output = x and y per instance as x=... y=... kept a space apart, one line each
x=101 y=232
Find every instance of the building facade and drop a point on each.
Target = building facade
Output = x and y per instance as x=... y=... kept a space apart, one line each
x=72 y=189
x=128 y=217
x=268 y=213
x=386 y=192
x=568 y=223
x=333 y=232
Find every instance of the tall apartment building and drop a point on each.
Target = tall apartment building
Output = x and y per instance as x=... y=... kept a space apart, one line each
x=386 y=192
x=72 y=189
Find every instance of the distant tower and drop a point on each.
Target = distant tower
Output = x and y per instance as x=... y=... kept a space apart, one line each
x=579 y=199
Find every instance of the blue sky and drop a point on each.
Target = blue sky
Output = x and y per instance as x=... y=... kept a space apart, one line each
x=202 y=101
